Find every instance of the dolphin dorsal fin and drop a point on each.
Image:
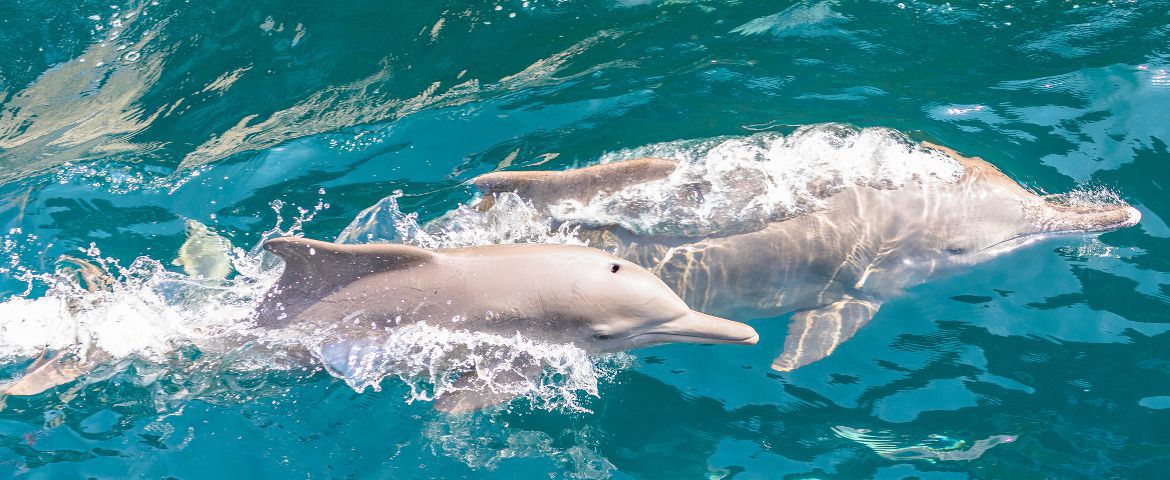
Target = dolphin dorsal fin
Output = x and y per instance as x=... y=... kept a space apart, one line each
x=313 y=269
x=545 y=187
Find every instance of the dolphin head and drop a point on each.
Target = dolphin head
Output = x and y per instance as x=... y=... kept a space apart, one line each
x=989 y=214
x=1042 y=217
x=617 y=305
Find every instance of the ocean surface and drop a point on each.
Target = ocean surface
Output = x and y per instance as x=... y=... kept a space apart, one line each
x=123 y=124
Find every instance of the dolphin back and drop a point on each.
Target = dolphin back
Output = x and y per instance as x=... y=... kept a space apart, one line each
x=314 y=269
x=545 y=187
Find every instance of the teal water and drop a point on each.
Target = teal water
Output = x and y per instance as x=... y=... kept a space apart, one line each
x=119 y=121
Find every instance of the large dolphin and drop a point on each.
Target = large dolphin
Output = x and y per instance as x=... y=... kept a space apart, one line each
x=836 y=265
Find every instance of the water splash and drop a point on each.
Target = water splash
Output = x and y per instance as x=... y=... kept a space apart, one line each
x=179 y=336
x=1088 y=197
x=513 y=220
x=146 y=310
x=734 y=184
x=122 y=179
x=436 y=362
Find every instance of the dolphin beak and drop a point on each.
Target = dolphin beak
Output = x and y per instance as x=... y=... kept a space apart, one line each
x=697 y=327
x=1064 y=216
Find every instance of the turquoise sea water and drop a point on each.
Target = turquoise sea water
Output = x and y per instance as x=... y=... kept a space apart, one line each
x=119 y=121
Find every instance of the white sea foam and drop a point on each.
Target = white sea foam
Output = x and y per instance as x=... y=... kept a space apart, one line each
x=512 y=221
x=734 y=184
x=1090 y=196
x=436 y=362
x=147 y=312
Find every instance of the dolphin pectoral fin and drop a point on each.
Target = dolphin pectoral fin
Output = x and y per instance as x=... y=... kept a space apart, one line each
x=546 y=187
x=51 y=370
x=814 y=334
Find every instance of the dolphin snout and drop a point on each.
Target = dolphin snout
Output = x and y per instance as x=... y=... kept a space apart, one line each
x=1072 y=216
x=697 y=327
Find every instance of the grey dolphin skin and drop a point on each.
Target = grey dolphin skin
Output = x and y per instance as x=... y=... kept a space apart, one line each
x=834 y=267
x=553 y=293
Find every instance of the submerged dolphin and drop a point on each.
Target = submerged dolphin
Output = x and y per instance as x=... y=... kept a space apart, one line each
x=836 y=265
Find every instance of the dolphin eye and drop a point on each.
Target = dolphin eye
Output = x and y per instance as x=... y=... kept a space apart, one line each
x=956 y=250
x=614 y=268
x=602 y=336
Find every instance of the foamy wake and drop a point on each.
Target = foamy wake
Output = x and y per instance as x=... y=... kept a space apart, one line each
x=736 y=184
x=512 y=221
x=146 y=311
x=151 y=319
x=549 y=376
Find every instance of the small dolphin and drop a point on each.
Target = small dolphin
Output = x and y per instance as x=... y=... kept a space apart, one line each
x=834 y=266
x=551 y=293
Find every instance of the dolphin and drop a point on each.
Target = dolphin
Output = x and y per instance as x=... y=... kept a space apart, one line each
x=552 y=293
x=834 y=266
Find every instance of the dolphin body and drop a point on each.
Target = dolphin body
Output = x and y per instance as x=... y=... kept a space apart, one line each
x=835 y=266
x=553 y=293
x=550 y=293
